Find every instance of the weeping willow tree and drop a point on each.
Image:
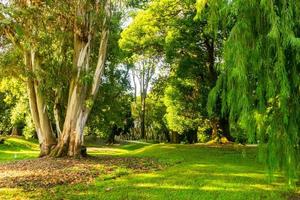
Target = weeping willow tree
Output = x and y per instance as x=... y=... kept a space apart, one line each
x=259 y=85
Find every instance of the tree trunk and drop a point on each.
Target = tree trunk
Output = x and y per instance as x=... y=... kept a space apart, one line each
x=143 y=114
x=81 y=95
x=57 y=112
x=71 y=138
x=134 y=84
x=215 y=127
x=174 y=137
x=220 y=129
x=15 y=131
x=38 y=108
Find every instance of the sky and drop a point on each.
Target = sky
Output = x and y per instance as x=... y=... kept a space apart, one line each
x=4 y=1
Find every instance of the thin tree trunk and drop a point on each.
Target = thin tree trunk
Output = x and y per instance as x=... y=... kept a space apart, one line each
x=38 y=108
x=57 y=112
x=57 y=118
x=134 y=84
x=143 y=96
x=143 y=115
x=174 y=137
x=215 y=128
x=15 y=131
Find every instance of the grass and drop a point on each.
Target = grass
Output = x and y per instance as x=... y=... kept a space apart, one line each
x=15 y=148
x=191 y=172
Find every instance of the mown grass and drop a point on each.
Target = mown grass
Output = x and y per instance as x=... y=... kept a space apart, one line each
x=191 y=172
x=16 y=148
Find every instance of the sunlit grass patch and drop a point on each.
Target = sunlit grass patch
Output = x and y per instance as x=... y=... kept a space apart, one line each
x=106 y=151
x=18 y=143
x=16 y=148
x=131 y=171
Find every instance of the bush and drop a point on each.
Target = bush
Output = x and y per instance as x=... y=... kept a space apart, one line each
x=204 y=132
x=29 y=130
x=203 y=138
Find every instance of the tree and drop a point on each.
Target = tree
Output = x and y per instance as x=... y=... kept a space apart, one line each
x=259 y=85
x=143 y=59
x=143 y=71
x=87 y=22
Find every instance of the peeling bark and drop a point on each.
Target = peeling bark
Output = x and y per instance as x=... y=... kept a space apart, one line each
x=38 y=108
x=81 y=95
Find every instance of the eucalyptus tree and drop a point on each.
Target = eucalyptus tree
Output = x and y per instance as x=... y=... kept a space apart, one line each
x=259 y=82
x=75 y=34
x=22 y=36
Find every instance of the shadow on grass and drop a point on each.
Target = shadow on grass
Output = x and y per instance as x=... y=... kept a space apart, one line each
x=18 y=144
x=162 y=187
x=134 y=146
x=202 y=174
x=196 y=172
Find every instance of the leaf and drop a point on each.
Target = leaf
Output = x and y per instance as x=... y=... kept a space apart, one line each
x=19 y=30
x=5 y=21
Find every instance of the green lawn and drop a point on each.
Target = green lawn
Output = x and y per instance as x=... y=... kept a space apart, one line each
x=18 y=149
x=190 y=172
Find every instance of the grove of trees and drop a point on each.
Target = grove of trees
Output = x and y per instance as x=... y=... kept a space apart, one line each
x=180 y=71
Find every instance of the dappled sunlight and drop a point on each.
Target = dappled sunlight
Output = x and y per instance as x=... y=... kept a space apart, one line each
x=267 y=187
x=20 y=152
x=215 y=188
x=105 y=151
x=168 y=147
x=121 y=172
x=225 y=175
x=146 y=148
x=149 y=175
x=132 y=148
x=163 y=186
x=203 y=165
x=229 y=166
x=14 y=173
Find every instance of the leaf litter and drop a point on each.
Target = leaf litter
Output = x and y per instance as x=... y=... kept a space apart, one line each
x=48 y=172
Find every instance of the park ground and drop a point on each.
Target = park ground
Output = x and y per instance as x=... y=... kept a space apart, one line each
x=139 y=171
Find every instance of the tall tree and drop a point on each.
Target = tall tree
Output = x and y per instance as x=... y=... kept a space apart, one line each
x=142 y=57
x=29 y=25
x=143 y=71
x=259 y=82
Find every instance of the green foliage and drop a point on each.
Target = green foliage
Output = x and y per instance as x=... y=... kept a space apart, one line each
x=155 y=123
x=29 y=129
x=113 y=105
x=260 y=88
x=167 y=29
x=204 y=132
x=15 y=111
x=181 y=114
